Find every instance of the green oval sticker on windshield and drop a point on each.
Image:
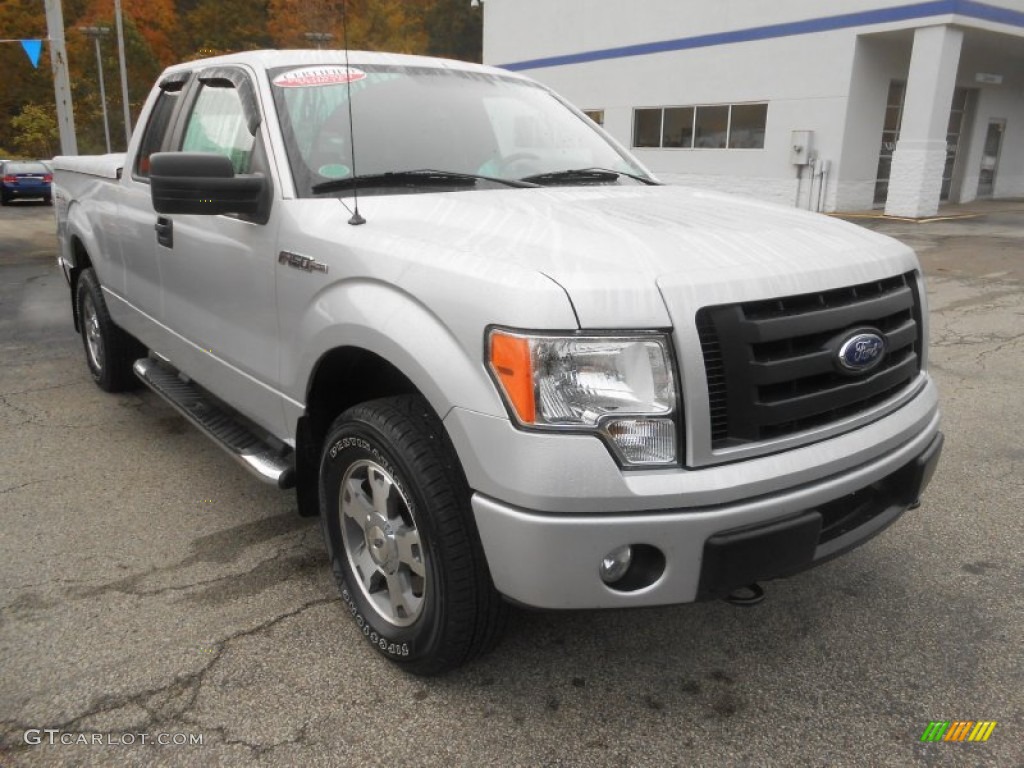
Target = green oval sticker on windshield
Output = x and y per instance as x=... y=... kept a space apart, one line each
x=334 y=171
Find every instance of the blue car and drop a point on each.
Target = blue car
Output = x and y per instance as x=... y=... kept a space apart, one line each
x=26 y=180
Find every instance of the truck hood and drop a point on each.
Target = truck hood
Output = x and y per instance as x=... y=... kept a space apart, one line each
x=629 y=256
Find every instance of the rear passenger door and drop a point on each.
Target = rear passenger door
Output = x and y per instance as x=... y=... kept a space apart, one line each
x=218 y=271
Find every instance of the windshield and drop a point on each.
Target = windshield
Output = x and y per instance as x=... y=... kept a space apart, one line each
x=486 y=127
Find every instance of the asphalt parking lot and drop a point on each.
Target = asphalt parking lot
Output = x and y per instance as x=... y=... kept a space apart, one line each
x=151 y=591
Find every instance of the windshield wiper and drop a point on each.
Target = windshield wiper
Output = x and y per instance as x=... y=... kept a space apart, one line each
x=572 y=175
x=425 y=177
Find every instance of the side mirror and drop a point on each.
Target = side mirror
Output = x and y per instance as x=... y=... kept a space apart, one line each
x=203 y=183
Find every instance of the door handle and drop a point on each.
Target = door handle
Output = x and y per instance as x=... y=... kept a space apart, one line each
x=164 y=232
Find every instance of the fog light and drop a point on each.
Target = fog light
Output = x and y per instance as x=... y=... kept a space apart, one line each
x=615 y=564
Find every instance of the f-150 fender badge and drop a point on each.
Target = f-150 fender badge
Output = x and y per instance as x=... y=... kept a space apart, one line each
x=304 y=263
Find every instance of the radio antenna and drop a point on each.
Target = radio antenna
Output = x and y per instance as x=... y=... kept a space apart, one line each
x=356 y=219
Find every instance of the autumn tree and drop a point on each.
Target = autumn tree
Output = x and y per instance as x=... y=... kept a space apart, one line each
x=149 y=27
x=22 y=84
x=161 y=32
x=381 y=25
x=454 y=30
x=159 y=24
x=35 y=131
x=213 y=27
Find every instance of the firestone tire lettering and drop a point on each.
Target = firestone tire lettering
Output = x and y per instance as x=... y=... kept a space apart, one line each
x=459 y=614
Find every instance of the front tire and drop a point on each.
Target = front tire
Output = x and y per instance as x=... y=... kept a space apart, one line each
x=109 y=351
x=401 y=537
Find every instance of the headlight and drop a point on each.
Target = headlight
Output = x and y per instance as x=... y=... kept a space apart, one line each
x=621 y=387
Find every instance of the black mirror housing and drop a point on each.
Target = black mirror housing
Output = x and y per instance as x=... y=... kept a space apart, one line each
x=204 y=183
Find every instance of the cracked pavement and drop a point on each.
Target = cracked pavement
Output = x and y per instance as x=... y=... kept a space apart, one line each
x=148 y=585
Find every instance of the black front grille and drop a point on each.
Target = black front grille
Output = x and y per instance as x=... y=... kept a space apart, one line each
x=771 y=365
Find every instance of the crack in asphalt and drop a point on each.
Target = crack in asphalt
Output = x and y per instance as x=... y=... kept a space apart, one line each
x=986 y=301
x=296 y=556
x=126 y=585
x=1004 y=344
x=33 y=482
x=36 y=420
x=258 y=750
x=159 y=702
x=257 y=532
x=4 y=402
x=33 y=390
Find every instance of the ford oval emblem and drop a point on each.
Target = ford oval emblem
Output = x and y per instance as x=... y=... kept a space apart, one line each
x=861 y=352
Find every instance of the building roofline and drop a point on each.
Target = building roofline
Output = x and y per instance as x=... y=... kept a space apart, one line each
x=933 y=10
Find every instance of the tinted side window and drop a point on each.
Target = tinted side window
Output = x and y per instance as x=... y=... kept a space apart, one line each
x=156 y=130
x=218 y=124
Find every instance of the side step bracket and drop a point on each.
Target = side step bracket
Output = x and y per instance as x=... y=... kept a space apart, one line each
x=252 y=452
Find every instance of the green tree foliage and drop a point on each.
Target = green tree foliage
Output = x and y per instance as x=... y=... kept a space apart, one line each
x=213 y=27
x=35 y=131
x=22 y=85
x=454 y=30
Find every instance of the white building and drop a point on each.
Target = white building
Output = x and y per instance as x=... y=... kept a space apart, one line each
x=894 y=104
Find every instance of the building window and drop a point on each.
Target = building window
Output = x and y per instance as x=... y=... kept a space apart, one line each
x=958 y=121
x=678 y=128
x=597 y=115
x=746 y=126
x=711 y=127
x=718 y=126
x=647 y=127
x=890 y=134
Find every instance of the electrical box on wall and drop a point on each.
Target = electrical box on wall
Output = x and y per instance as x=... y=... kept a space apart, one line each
x=800 y=148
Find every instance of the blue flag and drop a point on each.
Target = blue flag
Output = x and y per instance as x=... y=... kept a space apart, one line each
x=33 y=48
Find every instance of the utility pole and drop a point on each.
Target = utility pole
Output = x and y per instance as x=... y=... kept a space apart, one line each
x=96 y=33
x=61 y=81
x=124 y=74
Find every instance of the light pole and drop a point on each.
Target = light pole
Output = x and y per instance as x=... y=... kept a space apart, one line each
x=96 y=33
x=319 y=37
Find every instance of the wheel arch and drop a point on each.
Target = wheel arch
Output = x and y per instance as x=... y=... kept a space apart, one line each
x=347 y=376
x=341 y=378
x=78 y=245
x=78 y=262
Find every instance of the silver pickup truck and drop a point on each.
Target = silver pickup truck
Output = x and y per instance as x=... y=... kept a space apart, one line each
x=497 y=358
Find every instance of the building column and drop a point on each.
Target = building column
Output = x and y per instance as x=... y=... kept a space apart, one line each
x=915 y=181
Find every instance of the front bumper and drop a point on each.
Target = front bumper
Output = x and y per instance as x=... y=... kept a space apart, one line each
x=551 y=560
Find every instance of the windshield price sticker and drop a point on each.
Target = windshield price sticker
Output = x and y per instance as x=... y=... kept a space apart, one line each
x=308 y=77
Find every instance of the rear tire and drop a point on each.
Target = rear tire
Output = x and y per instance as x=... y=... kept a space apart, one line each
x=401 y=538
x=109 y=351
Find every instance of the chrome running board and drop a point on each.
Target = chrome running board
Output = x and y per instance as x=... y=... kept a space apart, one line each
x=273 y=466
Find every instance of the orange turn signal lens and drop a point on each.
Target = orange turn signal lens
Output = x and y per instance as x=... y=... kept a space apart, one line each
x=511 y=363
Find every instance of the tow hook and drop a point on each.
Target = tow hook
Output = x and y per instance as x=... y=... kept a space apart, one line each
x=752 y=594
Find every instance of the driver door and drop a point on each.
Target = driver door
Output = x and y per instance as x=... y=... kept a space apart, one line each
x=218 y=271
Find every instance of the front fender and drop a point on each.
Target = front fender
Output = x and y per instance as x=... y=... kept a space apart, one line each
x=445 y=365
